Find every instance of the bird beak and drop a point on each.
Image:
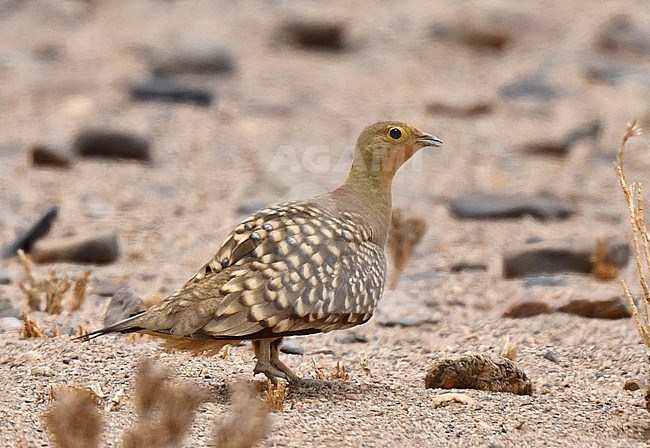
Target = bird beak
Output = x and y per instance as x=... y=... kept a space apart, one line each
x=429 y=140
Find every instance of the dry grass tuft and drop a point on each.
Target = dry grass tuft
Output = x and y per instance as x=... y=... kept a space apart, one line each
x=508 y=347
x=79 y=291
x=165 y=411
x=276 y=394
x=74 y=420
x=404 y=236
x=52 y=289
x=602 y=269
x=245 y=423
x=30 y=327
x=340 y=372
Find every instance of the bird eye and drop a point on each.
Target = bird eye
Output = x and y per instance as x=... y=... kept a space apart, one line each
x=396 y=134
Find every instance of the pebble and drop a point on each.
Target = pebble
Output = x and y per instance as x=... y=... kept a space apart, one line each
x=315 y=34
x=480 y=371
x=562 y=146
x=445 y=399
x=464 y=266
x=45 y=154
x=504 y=205
x=292 y=349
x=532 y=87
x=5 y=278
x=100 y=249
x=616 y=73
x=41 y=371
x=612 y=308
x=550 y=356
x=545 y=281
x=38 y=230
x=406 y=322
x=7 y=309
x=566 y=255
x=124 y=303
x=198 y=56
x=460 y=109
x=527 y=308
x=619 y=34
x=112 y=144
x=10 y=324
x=161 y=89
x=632 y=385
x=104 y=288
x=354 y=338
x=475 y=35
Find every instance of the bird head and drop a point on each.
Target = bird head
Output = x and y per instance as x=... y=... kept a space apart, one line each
x=383 y=147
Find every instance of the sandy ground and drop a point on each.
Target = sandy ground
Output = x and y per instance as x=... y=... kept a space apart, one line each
x=171 y=214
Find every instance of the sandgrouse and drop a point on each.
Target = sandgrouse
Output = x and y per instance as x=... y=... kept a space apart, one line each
x=297 y=268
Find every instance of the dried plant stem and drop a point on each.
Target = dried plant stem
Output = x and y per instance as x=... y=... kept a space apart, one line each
x=634 y=196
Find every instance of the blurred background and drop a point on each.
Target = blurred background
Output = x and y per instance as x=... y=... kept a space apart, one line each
x=224 y=107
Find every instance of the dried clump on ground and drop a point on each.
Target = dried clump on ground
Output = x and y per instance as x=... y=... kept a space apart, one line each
x=404 y=236
x=52 y=289
x=74 y=420
x=480 y=372
x=165 y=411
x=245 y=423
x=634 y=196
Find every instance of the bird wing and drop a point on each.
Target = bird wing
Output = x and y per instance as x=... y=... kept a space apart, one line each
x=297 y=268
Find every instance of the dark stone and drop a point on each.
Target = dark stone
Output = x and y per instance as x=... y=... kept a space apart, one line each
x=491 y=206
x=26 y=240
x=619 y=34
x=7 y=309
x=354 y=338
x=112 y=144
x=632 y=385
x=406 y=322
x=467 y=266
x=194 y=57
x=562 y=146
x=530 y=88
x=612 y=308
x=481 y=372
x=460 y=110
x=479 y=36
x=313 y=34
x=102 y=248
x=250 y=207
x=104 y=288
x=5 y=278
x=544 y=280
x=527 y=308
x=124 y=304
x=550 y=356
x=44 y=154
x=612 y=73
x=569 y=255
x=292 y=349
x=161 y=89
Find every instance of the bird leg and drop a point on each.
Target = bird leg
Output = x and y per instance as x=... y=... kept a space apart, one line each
x=263 y=353
x=275 y=361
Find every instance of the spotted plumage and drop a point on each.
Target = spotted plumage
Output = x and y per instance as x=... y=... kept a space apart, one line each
x=297 y=268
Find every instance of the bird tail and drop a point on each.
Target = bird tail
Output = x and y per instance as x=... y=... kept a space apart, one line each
x=128 y=325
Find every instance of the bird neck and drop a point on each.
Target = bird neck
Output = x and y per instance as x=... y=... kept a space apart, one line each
x=369 y=194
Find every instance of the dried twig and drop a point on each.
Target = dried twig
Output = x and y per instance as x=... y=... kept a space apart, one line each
x=634 y=197
x=276 y=394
